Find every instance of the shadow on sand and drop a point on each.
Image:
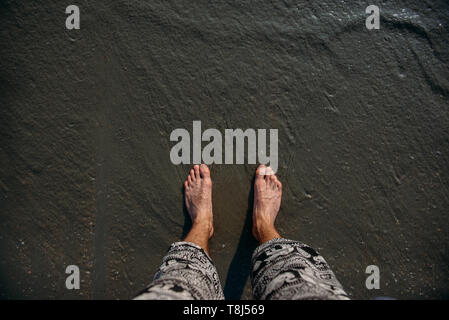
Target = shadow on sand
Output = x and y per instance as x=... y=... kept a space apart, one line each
x=240 y=266
x=187 y=220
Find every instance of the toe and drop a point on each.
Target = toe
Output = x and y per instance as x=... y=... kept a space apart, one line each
x=204 y=171
x=196 y=168
x=189 y=180
x=272 y=179
x=279 y=184
x=268 y=173
x=192 y=174
x=260 y=172
x=276 y=181
x=186 y=184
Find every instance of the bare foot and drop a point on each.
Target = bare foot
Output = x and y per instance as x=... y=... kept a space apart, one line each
x=198 y=198
x=267 y=202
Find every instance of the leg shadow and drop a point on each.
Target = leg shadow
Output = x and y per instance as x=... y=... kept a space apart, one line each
x=187 y=220
x=240 y=267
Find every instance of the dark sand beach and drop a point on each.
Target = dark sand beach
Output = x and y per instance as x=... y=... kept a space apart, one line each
x=86 y=116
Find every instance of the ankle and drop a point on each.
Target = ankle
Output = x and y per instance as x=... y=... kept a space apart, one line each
x=203 y=225
x=264 y=226
x=200 y=233
x=264 y=232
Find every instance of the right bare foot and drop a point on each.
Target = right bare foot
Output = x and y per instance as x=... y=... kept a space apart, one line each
x=267 y=202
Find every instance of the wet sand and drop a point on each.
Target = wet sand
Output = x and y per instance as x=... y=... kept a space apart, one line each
x=86 y=116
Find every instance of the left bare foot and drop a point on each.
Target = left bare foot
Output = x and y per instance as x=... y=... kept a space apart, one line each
x=198 y=198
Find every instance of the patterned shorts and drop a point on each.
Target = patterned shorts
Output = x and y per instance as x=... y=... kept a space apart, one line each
x=281 y=270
